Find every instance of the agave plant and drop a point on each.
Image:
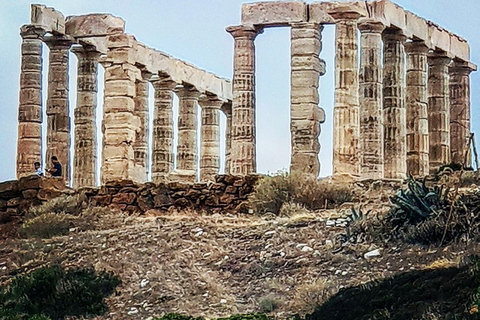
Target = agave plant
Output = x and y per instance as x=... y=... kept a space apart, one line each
x=417 y=203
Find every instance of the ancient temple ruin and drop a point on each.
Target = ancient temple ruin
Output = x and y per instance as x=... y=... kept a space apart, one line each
x=402 y=95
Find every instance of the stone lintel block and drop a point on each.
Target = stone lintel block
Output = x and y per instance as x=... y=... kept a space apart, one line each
x=352 y=9
x=47 y=18
x=122 y=55
x=118 y=104
x=274 y=13
x=94 y=25
x=121 y=40
x=318 y=14
x=120 y=88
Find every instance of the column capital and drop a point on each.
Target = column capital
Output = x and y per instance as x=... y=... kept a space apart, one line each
x=162 y=82
x=394 y=34
x=346 y=16
x=439 y=59
x=416 y=47
x=187 y=91
x=86 y=52
x=311 y=25
x=58 y=42
x=210 y=101
x=366 y=25
x=247 y=32
x=461 y=68
x=29 y=31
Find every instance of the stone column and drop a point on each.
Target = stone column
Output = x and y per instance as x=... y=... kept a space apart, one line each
x=119 y=120
x=417 y=109
x=58 y=113
x=438 y=111
x=162 y=157
x=140 y=147
x=306 y=116
x=371 y=100
x=227 y=109
x=394 y=113
x=460 y=112
x=210 y=144
x=84 y=163
x=187 y=133
x=346 y=128
x=29 y=147
x=243 y=153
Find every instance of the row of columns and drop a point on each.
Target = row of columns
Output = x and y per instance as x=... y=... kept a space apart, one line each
x=413 y=113
x=125 y=123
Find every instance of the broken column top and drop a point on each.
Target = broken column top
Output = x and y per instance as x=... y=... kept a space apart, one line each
x=284 y=13
x=47 y=18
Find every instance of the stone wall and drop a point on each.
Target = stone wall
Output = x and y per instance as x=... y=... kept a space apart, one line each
x=227 y=194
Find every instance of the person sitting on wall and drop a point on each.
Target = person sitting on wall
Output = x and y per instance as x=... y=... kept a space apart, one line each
x=38 y=169
x=56 y=171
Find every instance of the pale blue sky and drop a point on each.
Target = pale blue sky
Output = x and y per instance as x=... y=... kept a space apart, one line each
x=194 y=30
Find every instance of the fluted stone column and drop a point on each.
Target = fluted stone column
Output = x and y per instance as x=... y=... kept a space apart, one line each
x=394 y=113
x=460 y=112
x=438 y=111
x=29 y=147
x=58 y=114
x=210 y=144
x=417 y=109
x=162 y=157
x=84 y=162
x=186 y=166
x=243 y=153
x=346 y=128
x=119 y=120
x=306 y=116
x=227 y=109
x=140 y=147
x=371 y=101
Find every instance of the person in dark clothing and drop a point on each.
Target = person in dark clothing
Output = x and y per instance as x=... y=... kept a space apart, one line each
x=56 y=171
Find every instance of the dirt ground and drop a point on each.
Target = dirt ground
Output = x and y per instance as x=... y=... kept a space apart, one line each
x=218 y=265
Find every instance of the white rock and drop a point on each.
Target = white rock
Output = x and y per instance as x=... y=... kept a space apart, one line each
x=330 y=223
x=270 y=232
x=344 y=273
x=307 y=249
x=372 y=254
x=223 y=301
x=338 y=272
x=143 y=283
x=132 y=311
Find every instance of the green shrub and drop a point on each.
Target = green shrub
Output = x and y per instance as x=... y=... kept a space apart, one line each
x=55 y=293
x=271 y=192
x=248 y=316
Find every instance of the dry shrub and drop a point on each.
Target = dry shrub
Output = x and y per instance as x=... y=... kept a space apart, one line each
x=289 y=209
x=47 y=225
x=71 y=204
x=311 y=294
x=272 y=192
x=269 y=303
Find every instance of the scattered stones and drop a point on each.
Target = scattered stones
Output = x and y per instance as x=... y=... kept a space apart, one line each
x=372 y=254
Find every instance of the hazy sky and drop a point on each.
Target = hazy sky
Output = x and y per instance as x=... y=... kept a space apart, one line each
x=194 y=30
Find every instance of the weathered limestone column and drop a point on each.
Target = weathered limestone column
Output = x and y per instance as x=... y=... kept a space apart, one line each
x=417 y=109
x=243 y=154
x=162 y=157
x=346 y=128
x=119 y=121
x=438 y=111
x=394 y=113
x=186 y=167
x=460 y=112
x=140 y=147
x=371 y=100
x=227 y=109
x=84 y=163
x=210 y=144
x=58 y=113
x=29 y=147
x=306 y=116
